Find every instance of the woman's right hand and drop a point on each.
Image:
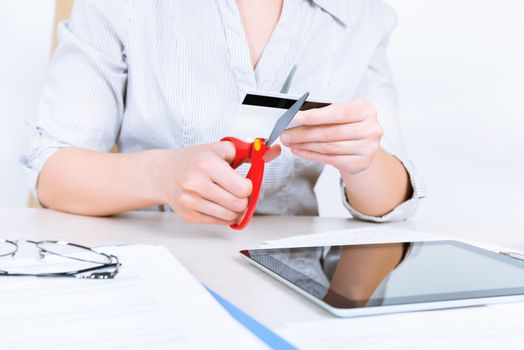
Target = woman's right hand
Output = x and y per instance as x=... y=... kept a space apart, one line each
x=200 y=185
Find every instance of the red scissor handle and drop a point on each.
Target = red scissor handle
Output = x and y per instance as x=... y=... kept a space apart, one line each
x=255 y=152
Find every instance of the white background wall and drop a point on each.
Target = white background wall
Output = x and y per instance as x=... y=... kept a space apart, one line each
x=25 y=42
x=459 y=67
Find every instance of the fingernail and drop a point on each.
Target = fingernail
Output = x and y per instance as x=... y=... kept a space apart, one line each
x=284 y=138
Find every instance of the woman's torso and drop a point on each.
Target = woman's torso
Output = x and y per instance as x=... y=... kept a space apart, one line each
x=189 y=68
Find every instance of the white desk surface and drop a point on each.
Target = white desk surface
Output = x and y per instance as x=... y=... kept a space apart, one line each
x=211 y=253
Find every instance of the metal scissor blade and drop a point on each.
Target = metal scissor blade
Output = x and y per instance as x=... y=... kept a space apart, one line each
x=289 y=79
x=286 y=118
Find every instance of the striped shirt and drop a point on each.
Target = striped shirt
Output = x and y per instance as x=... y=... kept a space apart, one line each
x=169 y=74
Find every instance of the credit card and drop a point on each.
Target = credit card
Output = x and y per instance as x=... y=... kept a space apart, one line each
x=260 y=111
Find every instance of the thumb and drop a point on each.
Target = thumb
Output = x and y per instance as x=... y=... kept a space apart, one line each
x=225 y=150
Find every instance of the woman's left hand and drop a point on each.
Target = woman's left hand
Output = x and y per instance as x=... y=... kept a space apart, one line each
x=344 y=135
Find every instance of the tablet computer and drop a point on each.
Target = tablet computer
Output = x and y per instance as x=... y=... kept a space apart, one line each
x=367 y=279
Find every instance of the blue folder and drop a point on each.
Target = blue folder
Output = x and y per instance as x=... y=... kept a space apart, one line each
x=262 y=332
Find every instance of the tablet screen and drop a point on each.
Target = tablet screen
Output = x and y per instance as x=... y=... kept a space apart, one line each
x=354 y=276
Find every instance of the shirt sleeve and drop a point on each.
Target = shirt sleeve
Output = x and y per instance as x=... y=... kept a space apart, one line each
x=377 y=87
x=82 y=103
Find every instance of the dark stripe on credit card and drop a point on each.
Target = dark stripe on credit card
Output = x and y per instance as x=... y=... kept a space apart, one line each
x=278 y=102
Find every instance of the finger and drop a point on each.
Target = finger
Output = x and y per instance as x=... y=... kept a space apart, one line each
x=226 y=150
x=272 y=153
x=336 y=113
x=334 y=160
x=350 y=164
x=218 y=195
x=226 y=177
x=313 y=156
x=324 y=133
x=352 y=147
x=203 y=206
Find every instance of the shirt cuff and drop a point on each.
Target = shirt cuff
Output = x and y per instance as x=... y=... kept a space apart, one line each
x=43 y=147
x=403 y=210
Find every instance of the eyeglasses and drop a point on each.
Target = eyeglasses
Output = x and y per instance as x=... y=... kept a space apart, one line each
x=57 y=259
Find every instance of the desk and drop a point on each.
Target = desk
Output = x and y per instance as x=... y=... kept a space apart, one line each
x=211 y=252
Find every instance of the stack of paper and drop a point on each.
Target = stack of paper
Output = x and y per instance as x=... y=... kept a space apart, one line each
x=153 y=303
x=371 y=234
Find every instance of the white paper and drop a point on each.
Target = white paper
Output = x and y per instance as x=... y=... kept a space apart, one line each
x=153 y=303
x=484 y=327
x=372 y=234
x=254 y=121
x=363 y=235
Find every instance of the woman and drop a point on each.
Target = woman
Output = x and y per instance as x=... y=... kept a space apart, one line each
x=162 y=79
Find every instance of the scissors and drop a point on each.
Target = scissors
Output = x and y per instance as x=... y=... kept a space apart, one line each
x=254 y=151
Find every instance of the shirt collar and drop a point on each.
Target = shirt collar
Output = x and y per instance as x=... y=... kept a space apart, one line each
x=345 y=11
